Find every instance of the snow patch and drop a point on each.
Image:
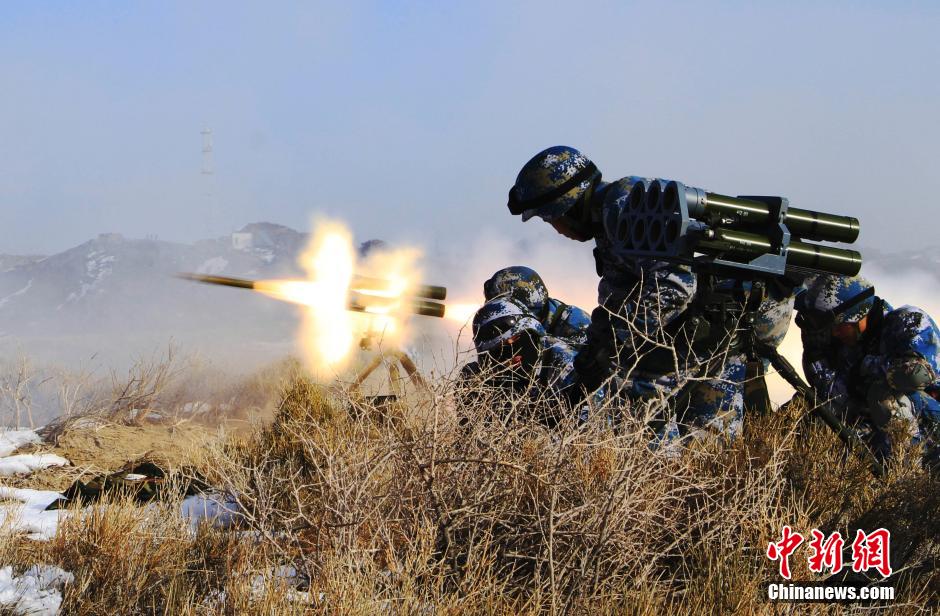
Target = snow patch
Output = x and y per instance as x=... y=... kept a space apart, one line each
x=219 y=510
x=266 y=254
x=97 y=268
x=26 y=463
x=11 y=440
x=37 y=592
x=28 y=512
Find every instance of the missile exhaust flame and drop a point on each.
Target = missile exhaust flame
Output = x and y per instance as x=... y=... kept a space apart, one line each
x=344 y=301
x=461 y=313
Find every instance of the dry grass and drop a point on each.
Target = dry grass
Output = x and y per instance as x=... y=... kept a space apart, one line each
x=457 y=507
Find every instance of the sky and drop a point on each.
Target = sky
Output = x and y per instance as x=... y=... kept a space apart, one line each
x=410 y=120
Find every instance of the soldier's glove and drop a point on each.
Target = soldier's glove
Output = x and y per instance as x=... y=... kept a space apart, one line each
x=909 y=373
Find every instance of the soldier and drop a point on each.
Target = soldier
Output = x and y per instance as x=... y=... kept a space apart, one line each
x=877 y=365
x=661 y=330
x=563 y=321
x=507 y=337
x=516 y=355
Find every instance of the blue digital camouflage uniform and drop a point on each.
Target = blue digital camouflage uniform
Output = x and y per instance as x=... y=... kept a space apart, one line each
x=567 y=322
x=557 y=371
x=523 y=284
x=645 y=305
x=649 y=298
x=499 y=324
x=891 y=374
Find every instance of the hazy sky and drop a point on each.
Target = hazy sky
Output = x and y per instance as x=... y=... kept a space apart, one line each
x=411 y=120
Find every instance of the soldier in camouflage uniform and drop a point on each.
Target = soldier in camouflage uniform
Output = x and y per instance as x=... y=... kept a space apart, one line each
x=523 y=284
x=516 y=354
x=877 y=365
x=661 y=330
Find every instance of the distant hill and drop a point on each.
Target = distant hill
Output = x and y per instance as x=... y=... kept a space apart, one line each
x=8 y=262
x=121 y=291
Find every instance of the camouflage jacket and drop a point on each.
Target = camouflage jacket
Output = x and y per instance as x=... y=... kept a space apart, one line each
x=556 y=372
x=643 y=301
x=902 y=352
x=566 y=322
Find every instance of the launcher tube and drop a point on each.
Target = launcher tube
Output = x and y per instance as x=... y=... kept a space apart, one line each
x=805 y=224
x=799 y=254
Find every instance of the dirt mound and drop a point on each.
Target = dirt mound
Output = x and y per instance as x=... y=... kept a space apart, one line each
x=104 y=448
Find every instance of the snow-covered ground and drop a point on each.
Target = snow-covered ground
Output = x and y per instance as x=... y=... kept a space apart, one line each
x=37 y=592
x=26 y=463
x=23 y=511
x=11 y=440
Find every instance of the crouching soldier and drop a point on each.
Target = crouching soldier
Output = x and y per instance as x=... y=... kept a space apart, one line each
x=523 y=284
x=879 y=366
x=517 y=356
x=664 y=338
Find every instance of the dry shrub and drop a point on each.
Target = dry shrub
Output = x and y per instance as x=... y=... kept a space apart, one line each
x=469 y=505
x=168 y=389
x=129 y=559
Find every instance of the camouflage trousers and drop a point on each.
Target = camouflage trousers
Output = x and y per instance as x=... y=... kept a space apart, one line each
x=685 y=405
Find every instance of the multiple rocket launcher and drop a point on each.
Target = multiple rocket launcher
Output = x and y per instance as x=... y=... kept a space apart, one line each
x=750 y=235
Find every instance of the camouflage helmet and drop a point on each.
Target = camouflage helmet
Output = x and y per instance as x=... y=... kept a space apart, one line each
x=520 y=283
x=500 y=320
x=833 y=300
x=551 y=183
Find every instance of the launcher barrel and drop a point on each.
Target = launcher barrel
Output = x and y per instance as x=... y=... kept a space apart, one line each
x=421 y=301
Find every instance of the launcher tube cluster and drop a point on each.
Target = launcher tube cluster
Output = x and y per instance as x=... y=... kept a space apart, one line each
x=746 y=235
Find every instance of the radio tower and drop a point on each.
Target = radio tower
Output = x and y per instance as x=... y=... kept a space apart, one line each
x=208 y=174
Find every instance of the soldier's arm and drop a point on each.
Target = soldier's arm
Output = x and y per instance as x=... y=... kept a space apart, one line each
x=816 y=361
x=821 y=368
x=910 y=348
x=573 y=325
x=664 y=293
x=557 y=371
